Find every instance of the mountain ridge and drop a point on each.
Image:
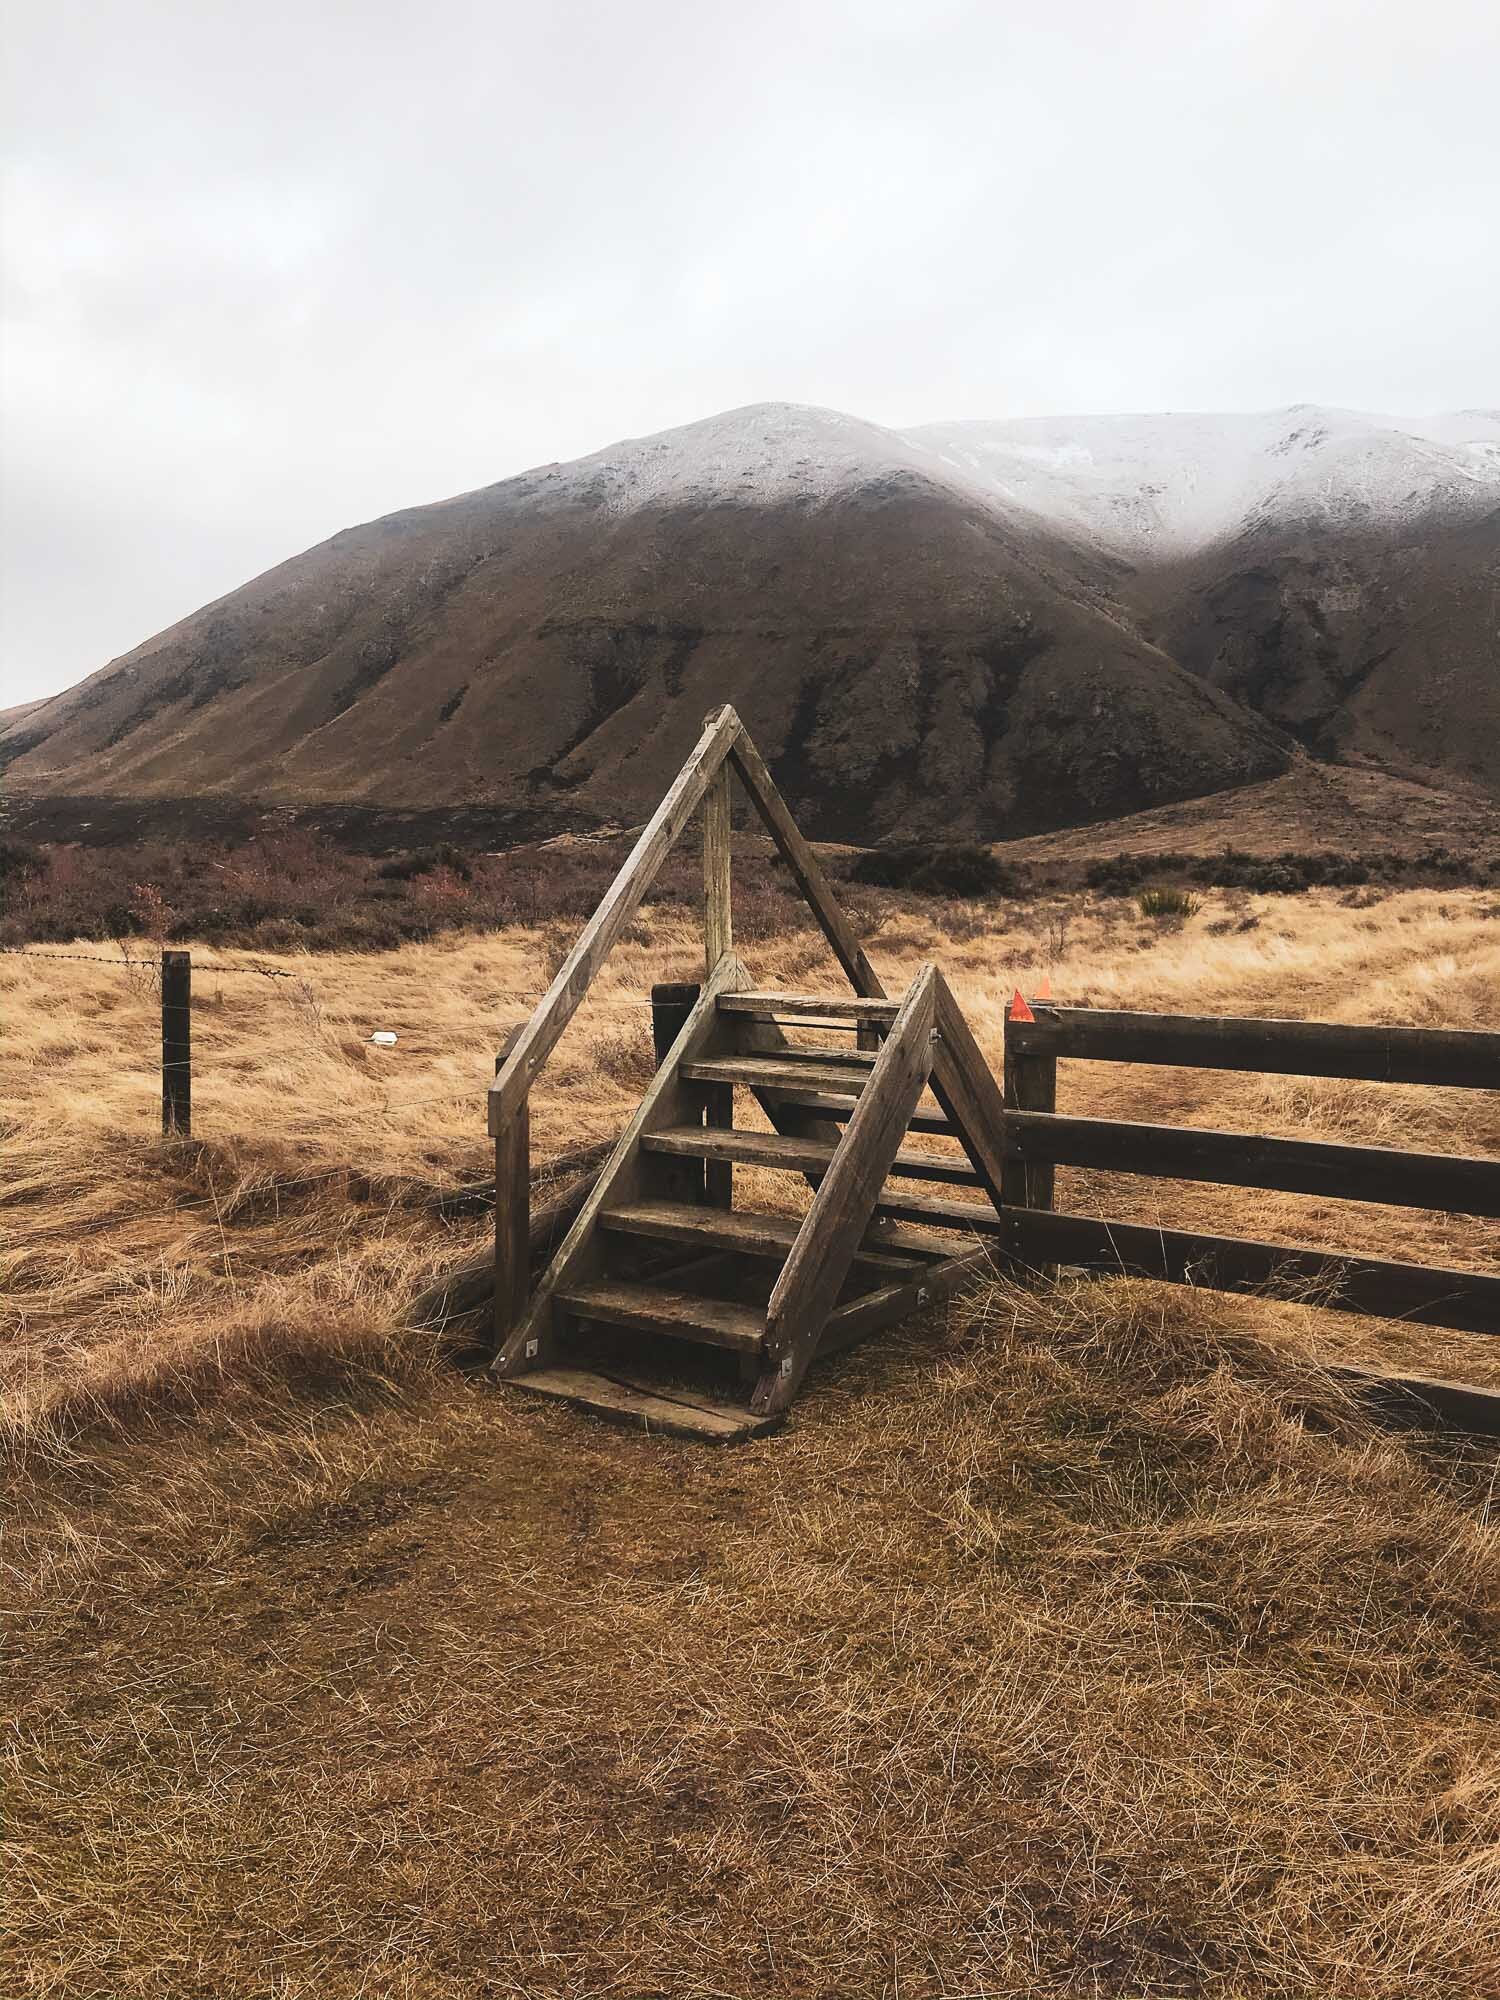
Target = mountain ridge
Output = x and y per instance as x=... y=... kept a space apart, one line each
x=985 y=628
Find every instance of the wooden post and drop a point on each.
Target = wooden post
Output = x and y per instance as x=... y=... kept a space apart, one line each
x=1030 y=1085
x=176 y=1044
x=512 y=1211
x=718 y=922
x=671 y=1003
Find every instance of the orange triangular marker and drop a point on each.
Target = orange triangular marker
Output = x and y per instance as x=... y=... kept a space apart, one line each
x=1044 y=991
x=1019 y=1011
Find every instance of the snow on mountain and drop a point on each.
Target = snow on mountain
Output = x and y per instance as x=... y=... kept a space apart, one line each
x=1141 y=487
x=1159 y=486
x=765 y=454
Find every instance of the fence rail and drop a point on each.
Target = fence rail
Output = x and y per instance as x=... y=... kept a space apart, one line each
x=1457 y=1058
x=1039 y=1138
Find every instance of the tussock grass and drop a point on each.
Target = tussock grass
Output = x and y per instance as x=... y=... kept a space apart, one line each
x=299 y=1210
x=1091 y=1644
x=1091 y=1641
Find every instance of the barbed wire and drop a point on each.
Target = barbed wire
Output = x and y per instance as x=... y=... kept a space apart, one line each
x=124 y=963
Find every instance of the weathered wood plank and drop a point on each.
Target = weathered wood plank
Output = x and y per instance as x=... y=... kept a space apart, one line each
x=807 y=1008
x=1030 y=1085
x=852 y=1064
x=621 y=901
x=818 y=1262
x=1449 y=1182
x=1424 y=1402
x=760 y=1071
x=803 y=1156
x=661 y=1308
x=512 y=1224
x=806 y=868
x=755 y=1233
x=718 y=920
x=1426 y=1294
x=939 y=1211
x=666 y=1098
x=1459 y=1058
x=614 y=1401
x=862 y=1317
x=512 y=1258
x=964 y=1085
x=838 y=1108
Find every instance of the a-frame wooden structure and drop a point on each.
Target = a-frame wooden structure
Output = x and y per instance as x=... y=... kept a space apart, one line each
x=661 y=1261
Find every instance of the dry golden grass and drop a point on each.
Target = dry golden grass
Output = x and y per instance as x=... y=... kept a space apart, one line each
x=1086 y=1643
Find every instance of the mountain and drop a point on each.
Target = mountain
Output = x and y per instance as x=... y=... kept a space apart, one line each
x=1337 y=573
x=976 y=628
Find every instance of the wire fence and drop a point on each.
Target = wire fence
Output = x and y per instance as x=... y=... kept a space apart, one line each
x=125 y=963
x=170 y=973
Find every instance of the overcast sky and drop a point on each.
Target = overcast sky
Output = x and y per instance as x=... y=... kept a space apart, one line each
x=272 y=269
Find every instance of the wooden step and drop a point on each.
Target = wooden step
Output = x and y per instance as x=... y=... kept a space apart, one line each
x=822 y=1105
x=677 y=1413
x=767 y=1072
x=942 y=1212
x=805 y=1057
x=803 y=1156
x=757 y=1234
x=659 y=1309
x=838 y=1007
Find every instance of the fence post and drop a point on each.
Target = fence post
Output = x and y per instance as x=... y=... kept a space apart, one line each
x=1030 y=1085
x=718 y=920
x=176 y=1044
x=512 y=1211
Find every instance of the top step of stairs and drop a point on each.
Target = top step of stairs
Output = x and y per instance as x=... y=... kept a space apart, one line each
x=840 y=1007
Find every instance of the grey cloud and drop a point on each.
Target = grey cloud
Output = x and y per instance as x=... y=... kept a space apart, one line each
x=269 y=272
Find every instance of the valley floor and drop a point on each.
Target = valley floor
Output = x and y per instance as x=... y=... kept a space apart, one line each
x=1084 y=1642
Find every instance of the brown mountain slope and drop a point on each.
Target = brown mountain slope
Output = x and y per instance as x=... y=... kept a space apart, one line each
x=909 y=655
x=991 y=629
x=1382 y=645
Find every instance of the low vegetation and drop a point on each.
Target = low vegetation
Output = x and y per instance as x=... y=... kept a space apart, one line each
x=1168 y=904
x=937 y=871
x=1088 y=1642
x=301 y=889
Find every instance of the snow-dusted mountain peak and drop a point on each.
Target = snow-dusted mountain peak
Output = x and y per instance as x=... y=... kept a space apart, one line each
x=764 y=453
x=1142 y=487
x=1148 y=486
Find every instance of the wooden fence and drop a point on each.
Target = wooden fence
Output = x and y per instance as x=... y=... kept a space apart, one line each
x=1039 y=1138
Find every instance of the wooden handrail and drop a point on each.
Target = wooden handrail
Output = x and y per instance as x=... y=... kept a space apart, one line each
x=602 y=931
x=805 y=866
x=833 y=1226
x=665 y=1102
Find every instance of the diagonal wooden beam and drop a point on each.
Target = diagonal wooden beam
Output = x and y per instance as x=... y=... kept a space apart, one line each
x=667 y=1100
x=806 y=868
x=621 y=901
x=964 y=1084
x=835 y=1225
